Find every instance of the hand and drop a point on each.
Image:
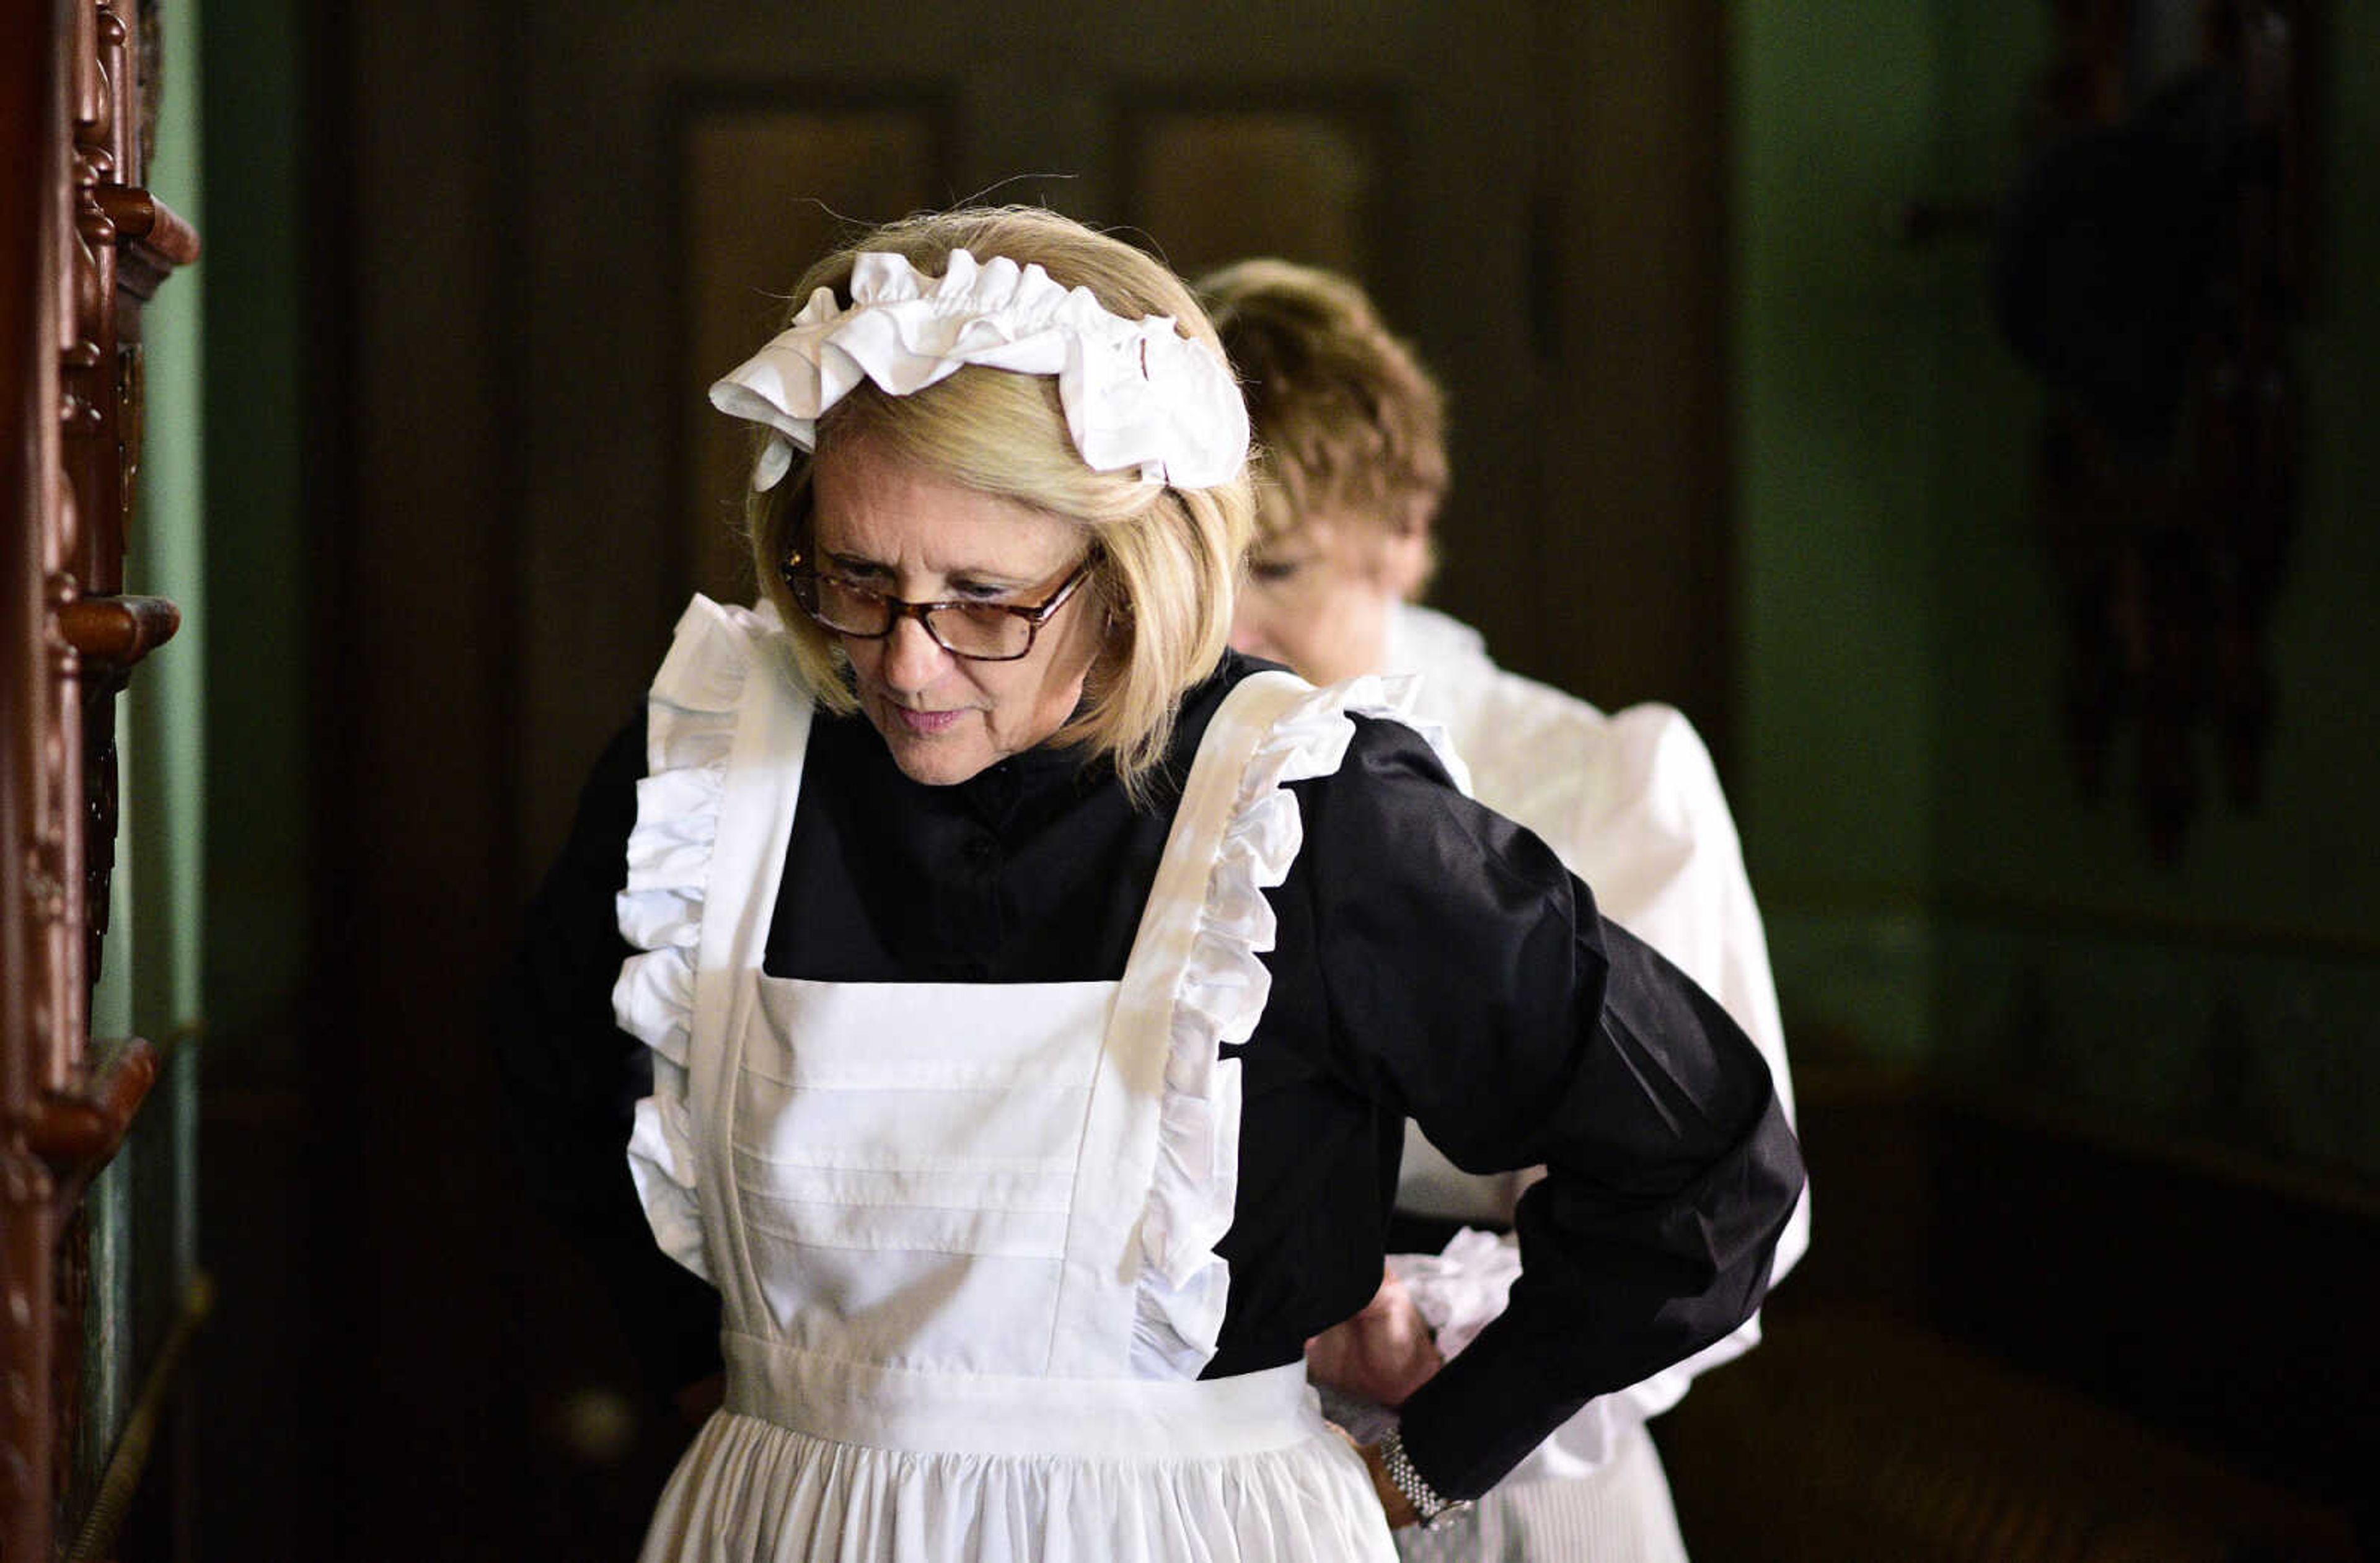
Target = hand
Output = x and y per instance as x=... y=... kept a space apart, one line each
x=1383 y=1353
x=1394 y=1504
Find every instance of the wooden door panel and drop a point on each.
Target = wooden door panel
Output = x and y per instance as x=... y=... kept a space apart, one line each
x=767 y=187
x=1308 y=180
x=550 y=268
x=1404 y=157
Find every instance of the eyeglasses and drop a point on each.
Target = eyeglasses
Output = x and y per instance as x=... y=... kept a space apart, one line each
x=981 y=632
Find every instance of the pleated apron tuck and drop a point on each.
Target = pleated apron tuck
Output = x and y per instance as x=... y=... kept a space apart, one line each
x=965 y=1233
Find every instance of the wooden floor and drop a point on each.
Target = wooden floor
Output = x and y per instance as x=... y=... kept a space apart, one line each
x=2014 y=1340
x=1851 y=1436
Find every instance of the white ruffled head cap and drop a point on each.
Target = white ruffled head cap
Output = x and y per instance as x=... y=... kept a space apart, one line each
x=1135 y=393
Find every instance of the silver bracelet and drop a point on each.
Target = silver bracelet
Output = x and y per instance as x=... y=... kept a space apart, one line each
x=1408 y=1480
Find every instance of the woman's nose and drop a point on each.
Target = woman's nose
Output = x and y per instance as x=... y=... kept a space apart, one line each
x=912 y=659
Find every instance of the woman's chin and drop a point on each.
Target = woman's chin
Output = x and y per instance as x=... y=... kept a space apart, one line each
x=936 y=755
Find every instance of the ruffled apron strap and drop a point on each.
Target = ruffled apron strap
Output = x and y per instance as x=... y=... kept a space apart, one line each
x=1143 y=1291
x=1110 y=1250
x=725 y=730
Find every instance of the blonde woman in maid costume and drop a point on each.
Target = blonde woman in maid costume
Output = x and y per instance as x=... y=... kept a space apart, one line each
x=1032 y=991
x=1352 y=427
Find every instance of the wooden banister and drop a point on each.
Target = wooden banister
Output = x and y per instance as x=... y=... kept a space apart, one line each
x=137 y=214
x=119 y=631
x=78 y=1133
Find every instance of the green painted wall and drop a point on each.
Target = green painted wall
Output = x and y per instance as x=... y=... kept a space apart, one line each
x=1837 y=385
x=1936 y=886
x=165 y=731
x=2293 y=867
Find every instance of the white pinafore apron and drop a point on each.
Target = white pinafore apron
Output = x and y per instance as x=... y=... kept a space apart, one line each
x=963 y=1232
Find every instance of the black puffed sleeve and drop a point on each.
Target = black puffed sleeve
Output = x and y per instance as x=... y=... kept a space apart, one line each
x=1471 y=984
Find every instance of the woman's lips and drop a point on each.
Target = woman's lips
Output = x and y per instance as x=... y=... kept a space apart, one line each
x=925 y=724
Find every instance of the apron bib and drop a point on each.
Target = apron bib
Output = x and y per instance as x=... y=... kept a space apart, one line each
x=963 y=1232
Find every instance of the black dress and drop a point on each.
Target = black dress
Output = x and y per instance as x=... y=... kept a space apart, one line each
x=1432 y=960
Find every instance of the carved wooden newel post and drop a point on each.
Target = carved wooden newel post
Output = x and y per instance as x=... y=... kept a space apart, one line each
x=83 y=245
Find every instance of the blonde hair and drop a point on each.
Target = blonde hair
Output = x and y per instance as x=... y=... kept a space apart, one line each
x=1165 y=561
x=1348 y=421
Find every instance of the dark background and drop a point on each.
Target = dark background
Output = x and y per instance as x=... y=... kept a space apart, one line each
x=2092 y=1132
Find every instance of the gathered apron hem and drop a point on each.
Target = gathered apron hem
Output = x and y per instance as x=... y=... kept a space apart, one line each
x=942 y=1413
